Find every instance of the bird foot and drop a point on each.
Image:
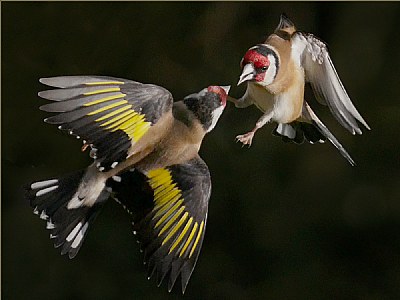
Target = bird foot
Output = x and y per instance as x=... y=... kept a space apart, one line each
x=245 y=139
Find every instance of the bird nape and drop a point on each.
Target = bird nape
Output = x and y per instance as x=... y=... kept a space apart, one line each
x=145 y=151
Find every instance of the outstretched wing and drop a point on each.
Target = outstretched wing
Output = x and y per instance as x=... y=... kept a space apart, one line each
x=325 y=82
x=109 y=114
x=170 y=214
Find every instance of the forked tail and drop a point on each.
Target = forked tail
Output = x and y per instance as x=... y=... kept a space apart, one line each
x=68 y=215
x=313 y=132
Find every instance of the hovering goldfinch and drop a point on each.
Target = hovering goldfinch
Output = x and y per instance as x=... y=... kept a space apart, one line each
x=145 y=149
x=276 y=72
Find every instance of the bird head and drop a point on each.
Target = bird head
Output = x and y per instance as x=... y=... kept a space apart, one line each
x=260 y=65
x=208 y=105
x=220 y=91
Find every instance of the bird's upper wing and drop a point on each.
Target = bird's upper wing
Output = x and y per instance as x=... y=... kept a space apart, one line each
x=169 y=208
x=321 y=74
x=109 y=114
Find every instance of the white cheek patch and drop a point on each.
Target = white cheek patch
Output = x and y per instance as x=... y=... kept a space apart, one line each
x=270 y=74
x=215 y=116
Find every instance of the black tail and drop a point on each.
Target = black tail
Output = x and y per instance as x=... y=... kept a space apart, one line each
x=297 y=132
x=314 y=132
x=68 y=225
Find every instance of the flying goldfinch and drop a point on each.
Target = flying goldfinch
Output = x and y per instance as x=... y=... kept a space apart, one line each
x=276 y=72
x=145 y=149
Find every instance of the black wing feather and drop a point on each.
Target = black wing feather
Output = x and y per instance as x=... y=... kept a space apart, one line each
x=169 y=209
x=111 y=114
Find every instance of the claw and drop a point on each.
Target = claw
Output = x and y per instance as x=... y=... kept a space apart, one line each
x=246 y=138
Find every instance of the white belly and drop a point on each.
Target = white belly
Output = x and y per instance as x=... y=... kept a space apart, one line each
x=286 y=110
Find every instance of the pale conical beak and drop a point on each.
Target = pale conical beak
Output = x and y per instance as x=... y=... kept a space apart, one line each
x=248 y=73
x=226 y=88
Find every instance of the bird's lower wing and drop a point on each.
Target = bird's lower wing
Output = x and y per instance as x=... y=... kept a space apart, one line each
x=310 y=115
x=169 y=207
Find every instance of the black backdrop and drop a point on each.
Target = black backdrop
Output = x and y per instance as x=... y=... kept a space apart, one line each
x=285 y=221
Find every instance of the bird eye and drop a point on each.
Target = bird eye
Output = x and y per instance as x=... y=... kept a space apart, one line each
x=264 y=69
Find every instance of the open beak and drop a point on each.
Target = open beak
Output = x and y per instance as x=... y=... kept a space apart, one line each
x=248 y=73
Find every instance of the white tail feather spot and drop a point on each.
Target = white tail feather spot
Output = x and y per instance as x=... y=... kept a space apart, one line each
x=43 y=215
x=42 y=184
x=117 y=178
x=35 y=211
x=50 y=225
x=79 y=236
x=286 y=130
x=74 y=231
x=46 y=190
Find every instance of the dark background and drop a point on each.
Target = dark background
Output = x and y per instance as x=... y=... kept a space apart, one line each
x=285 y=221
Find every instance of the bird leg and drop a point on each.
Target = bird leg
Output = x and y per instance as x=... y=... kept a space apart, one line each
x=247 y=138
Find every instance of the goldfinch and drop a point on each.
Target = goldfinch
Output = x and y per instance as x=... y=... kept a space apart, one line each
x=276 y=72
x=145 y=150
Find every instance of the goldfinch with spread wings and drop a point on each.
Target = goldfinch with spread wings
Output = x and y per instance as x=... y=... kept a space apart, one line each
x=145 y=149
x=276 y=72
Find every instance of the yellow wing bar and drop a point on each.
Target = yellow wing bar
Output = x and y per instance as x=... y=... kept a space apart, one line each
x=123 y=118
x=171 y=214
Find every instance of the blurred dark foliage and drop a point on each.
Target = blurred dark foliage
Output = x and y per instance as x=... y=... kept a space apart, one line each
x=285 y=221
